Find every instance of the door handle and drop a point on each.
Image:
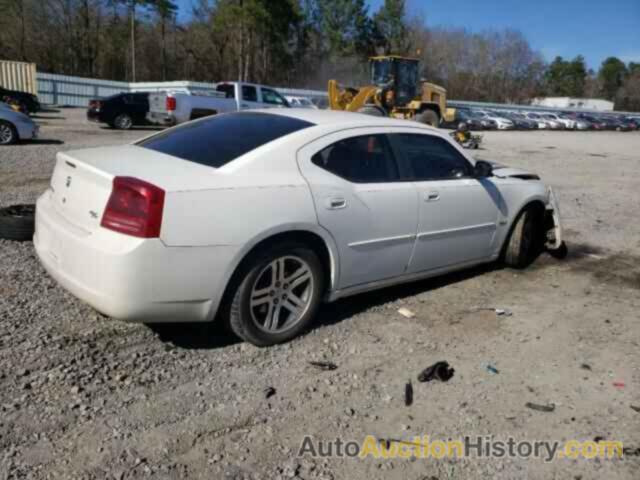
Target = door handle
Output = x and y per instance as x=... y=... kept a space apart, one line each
x=335 y=203
x=431 y=196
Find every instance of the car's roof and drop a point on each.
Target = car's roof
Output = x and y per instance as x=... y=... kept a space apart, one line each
x=333 y=117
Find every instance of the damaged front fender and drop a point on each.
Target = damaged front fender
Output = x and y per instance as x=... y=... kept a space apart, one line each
x=553 y=225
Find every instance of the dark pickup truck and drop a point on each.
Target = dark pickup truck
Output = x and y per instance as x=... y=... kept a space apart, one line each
x=121 y=111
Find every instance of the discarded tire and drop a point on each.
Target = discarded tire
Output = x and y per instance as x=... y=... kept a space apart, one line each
x=17 y=222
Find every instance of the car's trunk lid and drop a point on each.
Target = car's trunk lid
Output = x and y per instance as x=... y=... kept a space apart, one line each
x=82 y=180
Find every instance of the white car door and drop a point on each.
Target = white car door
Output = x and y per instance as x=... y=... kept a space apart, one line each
x=359 y=198
x=458 y=213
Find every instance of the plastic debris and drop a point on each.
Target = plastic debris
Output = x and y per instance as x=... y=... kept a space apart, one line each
x=619 y=384
x=327 y=366
x=503 y=312
x=492 y=369
x=585 y=366
x=269 y=392
x=408 y=394
x=405 y=312
x=540 y=408
x=438 y=371
x=635 y=408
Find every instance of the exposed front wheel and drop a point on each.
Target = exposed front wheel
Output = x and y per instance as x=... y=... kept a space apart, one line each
x=278 y=295
x=525 y=241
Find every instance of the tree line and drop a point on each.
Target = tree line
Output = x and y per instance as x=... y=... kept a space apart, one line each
x=296 y=43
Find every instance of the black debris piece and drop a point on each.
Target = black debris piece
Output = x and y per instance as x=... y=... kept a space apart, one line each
x=635 y=408
x=408 y=394
x=269 y=392
x=585 y=366
x=327 y=366
x=541 y=408
x=438 y=371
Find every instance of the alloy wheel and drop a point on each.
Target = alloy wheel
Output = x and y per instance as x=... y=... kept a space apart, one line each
x=281 y=294
x=6 y=134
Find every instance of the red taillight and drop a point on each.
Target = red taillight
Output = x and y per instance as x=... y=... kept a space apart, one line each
x=171 y=104
x=134 y=208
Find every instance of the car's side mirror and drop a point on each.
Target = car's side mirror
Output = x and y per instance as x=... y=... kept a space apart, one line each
x=483 y=169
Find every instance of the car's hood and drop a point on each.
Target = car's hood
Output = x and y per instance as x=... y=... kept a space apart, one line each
x=504 y=171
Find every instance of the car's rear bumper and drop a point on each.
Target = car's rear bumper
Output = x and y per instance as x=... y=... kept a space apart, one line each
x=128 y=278
x=93 y=115
x=161 y=118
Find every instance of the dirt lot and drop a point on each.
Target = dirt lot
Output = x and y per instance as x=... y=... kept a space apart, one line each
x=86 y=397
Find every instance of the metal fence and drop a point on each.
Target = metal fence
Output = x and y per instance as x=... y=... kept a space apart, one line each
x=77 y=91
x=70 y=91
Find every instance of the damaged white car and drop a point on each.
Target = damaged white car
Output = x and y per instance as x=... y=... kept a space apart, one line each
x=256 y=217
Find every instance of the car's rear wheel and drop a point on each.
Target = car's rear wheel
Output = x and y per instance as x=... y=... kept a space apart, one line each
x=278 y=293
x=123 y=122
x=428 y=117
x=526 y=239
x=17 y=222
x=8 y=133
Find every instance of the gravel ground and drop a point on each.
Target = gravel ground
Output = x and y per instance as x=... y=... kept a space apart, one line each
x=82 y=396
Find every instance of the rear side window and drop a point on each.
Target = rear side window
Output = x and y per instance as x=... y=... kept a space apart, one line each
x=249 y=93
x=431 y=157
x=220 y=139
x=364 y=159
x=227 y=89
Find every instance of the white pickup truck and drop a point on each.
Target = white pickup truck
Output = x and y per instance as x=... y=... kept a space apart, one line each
x=172 y=108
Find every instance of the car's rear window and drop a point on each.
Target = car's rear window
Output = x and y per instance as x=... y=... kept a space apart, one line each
x=218 y=140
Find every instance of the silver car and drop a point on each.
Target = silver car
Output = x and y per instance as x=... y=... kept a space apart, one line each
x=15 y=126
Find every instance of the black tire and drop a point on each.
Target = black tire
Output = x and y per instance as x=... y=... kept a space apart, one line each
x=373 y=110
x=17 y=222
x=240 y=316
x=525 y=241
x=8 y=133
x=428 y=117
x=123 y=122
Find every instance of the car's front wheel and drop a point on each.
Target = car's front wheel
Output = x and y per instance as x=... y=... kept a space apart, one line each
x=8 y=134
x=278 y=293
x=526 y=240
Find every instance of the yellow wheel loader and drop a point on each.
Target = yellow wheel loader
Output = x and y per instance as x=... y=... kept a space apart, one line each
x=394 y=92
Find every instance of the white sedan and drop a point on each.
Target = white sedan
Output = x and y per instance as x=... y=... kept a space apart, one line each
x=256 y=217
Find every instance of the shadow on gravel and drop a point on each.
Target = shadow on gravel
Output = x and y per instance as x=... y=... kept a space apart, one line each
x=140 y=128
x=194 y=336
x=48 y=117
x=343 y=309
x=44 y=141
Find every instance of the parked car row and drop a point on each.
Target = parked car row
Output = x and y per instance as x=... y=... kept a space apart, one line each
x=488 y=119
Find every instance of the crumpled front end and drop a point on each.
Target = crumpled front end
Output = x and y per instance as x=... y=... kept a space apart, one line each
x=553 y=223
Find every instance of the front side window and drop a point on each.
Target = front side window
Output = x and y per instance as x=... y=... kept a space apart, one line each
x=249 y=93
x=432 y=158
x=363 y=159
x=220 y=139
x=272 y=97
